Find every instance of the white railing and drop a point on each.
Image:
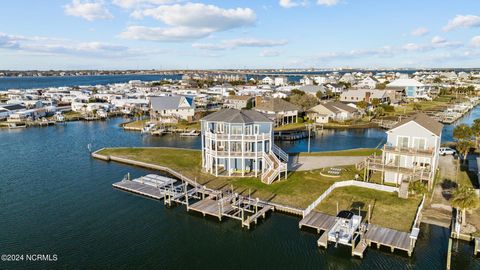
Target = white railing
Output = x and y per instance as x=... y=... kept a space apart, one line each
x=237 y=137
x=417 y=216
x=278 y=151
x=346 y=184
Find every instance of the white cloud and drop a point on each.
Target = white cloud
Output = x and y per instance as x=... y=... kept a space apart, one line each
x=241 y=42
x=67 y=47
x=419 y=32
x=164 y=34
x=269 y=53
x=89 y=11
x=463 y=21
x=291 y=3
x=189 y=21
x=438 y=40
x=475 y=41
x=327 y=2
x=127 y=4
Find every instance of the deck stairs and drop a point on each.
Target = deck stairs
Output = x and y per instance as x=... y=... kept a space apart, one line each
x=275 y=163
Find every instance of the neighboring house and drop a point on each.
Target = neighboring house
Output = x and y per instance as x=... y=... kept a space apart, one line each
x=369 y=82
x=8 y=109
x=306 y=81
x=348 y=78
x=313 y=89
x=281 y=81
x=240 y=143
x=336 y=111
x=411 y=87
x=237 y=102
x=335 y=88
x=278 y=110
x=411 y=152
x=268 y=80
x=172 y=108
x=367 y=95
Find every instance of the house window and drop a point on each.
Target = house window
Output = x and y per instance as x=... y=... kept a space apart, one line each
x=402 y=142
x=256 y=129
x=419 y=143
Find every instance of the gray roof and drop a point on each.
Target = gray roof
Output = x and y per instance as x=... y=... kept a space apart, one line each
x=12 y=107
x=425 y=121
x=236 y=116
x=277 y=105
x=169 y=102
x=313 y=89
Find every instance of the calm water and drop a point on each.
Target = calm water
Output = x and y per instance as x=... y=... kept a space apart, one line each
x=43 y=82
x=55 y=199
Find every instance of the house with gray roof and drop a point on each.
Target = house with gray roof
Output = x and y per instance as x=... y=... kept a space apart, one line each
x=170 y=109
x=240 y=143
x=332 y=111
x=280 y=111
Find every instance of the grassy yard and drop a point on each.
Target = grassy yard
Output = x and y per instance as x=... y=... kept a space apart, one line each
x=387 y=209
x=349 y=152
x=291 y=126
x=139 y=124
x=301 y=188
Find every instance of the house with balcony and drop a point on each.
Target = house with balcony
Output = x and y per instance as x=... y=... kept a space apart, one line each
x=411 y=153
x=240 y=143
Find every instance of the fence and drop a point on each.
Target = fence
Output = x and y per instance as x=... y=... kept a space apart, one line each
x=346 y=184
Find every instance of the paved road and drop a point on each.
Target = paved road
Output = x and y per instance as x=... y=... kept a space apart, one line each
x=305 y=163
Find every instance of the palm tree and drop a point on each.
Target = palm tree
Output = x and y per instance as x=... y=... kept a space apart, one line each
x=462 y=132
x=464 y=198
x=476 y=131
x=463 y=147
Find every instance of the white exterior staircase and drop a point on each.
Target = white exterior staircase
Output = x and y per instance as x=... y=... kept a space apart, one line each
x=275 y=163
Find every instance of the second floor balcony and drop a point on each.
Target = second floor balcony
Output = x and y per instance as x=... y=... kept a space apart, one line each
x=237 y=137
x=413 y=151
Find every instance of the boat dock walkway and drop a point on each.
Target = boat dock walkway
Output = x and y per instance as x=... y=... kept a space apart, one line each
x=390 y=238
x=318 y=221
x=368 y=234
x=195 y=197
x=477 y=246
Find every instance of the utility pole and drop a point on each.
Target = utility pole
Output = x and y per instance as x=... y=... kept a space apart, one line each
x=309 y=128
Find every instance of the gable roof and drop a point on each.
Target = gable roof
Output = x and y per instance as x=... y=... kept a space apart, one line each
x=405 y=83
x=12 y=107
x=335 y=107
x=277 y=105
x=170 y=102
x=236 y=116
x=423 y=120
x=312 y=89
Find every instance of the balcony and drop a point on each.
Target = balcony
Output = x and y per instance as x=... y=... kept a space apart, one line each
x=233 y=154
x=237 y=137
x=409 y=151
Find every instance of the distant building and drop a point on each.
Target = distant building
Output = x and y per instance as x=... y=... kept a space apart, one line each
x=237 y=102
x=278 y=110
x=336 y=111
x=369 y=82
x=268 y=80
x=172 y=108
x=412 y=88
x=367 y=95
x=281 y=81
x=240 y=143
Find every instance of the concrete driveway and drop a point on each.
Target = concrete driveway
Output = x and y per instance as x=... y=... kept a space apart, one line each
x=305 y=163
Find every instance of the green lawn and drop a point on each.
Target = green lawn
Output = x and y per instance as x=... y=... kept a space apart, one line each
x=299 y=190
x=387 y=210
x=291 y=126
x=139 y=124
x=349 y=152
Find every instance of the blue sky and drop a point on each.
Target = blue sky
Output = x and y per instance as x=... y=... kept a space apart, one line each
x=177 y=34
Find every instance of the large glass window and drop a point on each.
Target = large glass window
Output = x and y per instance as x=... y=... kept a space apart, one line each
x=419 y=143
x=402 y=142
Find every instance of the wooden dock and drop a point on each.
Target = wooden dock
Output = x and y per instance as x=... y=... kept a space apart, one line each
x=139 y=188
x=390 y=238
x=218 y=204
x=318 y=221
x=323 y=240
x=359 y=250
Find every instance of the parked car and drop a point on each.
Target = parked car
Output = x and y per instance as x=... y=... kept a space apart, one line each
x=446 y=151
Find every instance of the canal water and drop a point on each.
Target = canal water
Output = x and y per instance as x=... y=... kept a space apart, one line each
x=55 y=199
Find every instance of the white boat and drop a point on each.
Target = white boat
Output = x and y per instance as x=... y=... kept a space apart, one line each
x=149 y=127
x=345 y=227
x=15 y=125
x=59 y=117
x=188 y=134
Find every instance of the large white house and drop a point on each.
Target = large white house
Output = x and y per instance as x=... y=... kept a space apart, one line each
x=172 y=108
x=240 y=143
x=411 y=152
x=412 y=88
